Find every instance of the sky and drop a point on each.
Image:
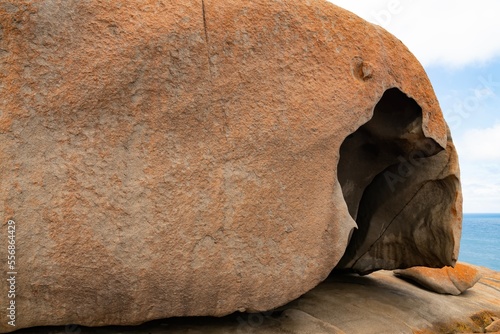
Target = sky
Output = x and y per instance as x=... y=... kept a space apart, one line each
x=458 y=43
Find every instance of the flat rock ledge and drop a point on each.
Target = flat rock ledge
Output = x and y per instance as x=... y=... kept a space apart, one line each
x=376 y=303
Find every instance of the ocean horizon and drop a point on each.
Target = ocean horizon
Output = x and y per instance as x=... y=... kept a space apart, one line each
x=480 y=243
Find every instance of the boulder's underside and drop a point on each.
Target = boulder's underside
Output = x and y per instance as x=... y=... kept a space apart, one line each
x=187 y=158
x=345 y=304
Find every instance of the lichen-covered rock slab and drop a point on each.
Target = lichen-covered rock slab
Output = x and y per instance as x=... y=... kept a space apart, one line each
x=447 y=280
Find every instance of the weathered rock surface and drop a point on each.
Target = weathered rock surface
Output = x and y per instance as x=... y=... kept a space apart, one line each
x=376 y=303
x=167 y=159
x=493 y=327
x=446 y=280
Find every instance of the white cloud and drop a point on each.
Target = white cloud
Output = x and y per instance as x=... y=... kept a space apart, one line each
x=482 y=93
x=480 y=144
x=480 y=187
x=481 y=205
x=479 y=152
x=446 y=32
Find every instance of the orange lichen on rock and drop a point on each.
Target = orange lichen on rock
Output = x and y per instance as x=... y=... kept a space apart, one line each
x=447 y=280
x=481 y=322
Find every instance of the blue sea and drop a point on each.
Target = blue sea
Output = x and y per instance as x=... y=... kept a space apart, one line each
x=480 y=243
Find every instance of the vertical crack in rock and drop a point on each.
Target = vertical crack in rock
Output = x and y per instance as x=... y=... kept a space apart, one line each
x=205 y=28
x=206 y=36
x=396 y=190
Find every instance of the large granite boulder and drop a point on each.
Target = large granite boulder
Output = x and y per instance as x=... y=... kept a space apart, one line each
x=166 y=159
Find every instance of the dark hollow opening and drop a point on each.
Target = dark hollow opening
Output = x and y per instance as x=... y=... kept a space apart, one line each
x=392 y=137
